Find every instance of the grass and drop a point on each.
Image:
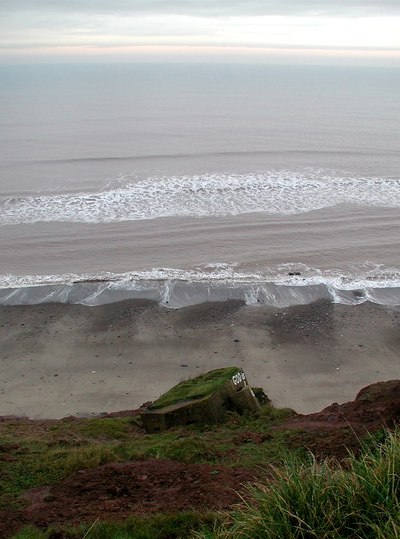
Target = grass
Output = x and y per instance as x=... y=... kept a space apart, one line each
x=358 y=500
x=152 y=527
x=47 y=456
x=107 y=428
x=195 y=388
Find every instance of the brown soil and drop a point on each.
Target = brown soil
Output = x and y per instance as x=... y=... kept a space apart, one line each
x=118 y=490
x=339 y=427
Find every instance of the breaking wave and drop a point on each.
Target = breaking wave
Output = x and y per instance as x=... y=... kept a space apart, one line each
x=284 y=286
x=272 y=192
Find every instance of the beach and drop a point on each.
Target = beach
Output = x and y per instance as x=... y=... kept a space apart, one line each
x=61 y=359
x=159 y=221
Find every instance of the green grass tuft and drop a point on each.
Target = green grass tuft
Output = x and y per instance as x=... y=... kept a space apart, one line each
x=191 y=450
x=107 y=428
x=179 y=526
x=312 y=500
x=31 y=532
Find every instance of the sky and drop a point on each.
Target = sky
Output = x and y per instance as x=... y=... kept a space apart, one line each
x=271 y=31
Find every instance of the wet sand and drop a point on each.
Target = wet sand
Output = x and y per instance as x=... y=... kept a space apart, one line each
x=58 y=359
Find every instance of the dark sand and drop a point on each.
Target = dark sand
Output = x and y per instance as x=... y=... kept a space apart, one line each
x=59 y=359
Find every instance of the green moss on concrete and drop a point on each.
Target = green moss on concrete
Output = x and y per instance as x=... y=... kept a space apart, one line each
x=195 y=388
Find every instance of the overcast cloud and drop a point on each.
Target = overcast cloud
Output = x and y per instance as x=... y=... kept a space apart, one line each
x=81 y=25
x=210 y=7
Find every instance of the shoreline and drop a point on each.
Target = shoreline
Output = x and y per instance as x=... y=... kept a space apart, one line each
x=179 y=291
x=62 y=359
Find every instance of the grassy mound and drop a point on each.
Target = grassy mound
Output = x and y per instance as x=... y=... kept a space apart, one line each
x=195 y=388
x=359 y=499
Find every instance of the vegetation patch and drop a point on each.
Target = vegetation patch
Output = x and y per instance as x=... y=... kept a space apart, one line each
x=195 y=388
x=28 y=461
x=305 y=500
x=106 y=477
x=154 y=527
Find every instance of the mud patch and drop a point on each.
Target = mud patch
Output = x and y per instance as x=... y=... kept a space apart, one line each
x=118 y=490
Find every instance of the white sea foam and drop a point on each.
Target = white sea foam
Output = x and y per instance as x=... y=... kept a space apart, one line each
x=272 y=192
x=368 y=275
x=178 y=287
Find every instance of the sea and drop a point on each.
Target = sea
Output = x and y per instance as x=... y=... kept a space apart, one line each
x=184 y=183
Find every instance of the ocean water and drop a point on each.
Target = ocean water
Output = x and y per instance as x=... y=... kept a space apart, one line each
x=187 y=183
